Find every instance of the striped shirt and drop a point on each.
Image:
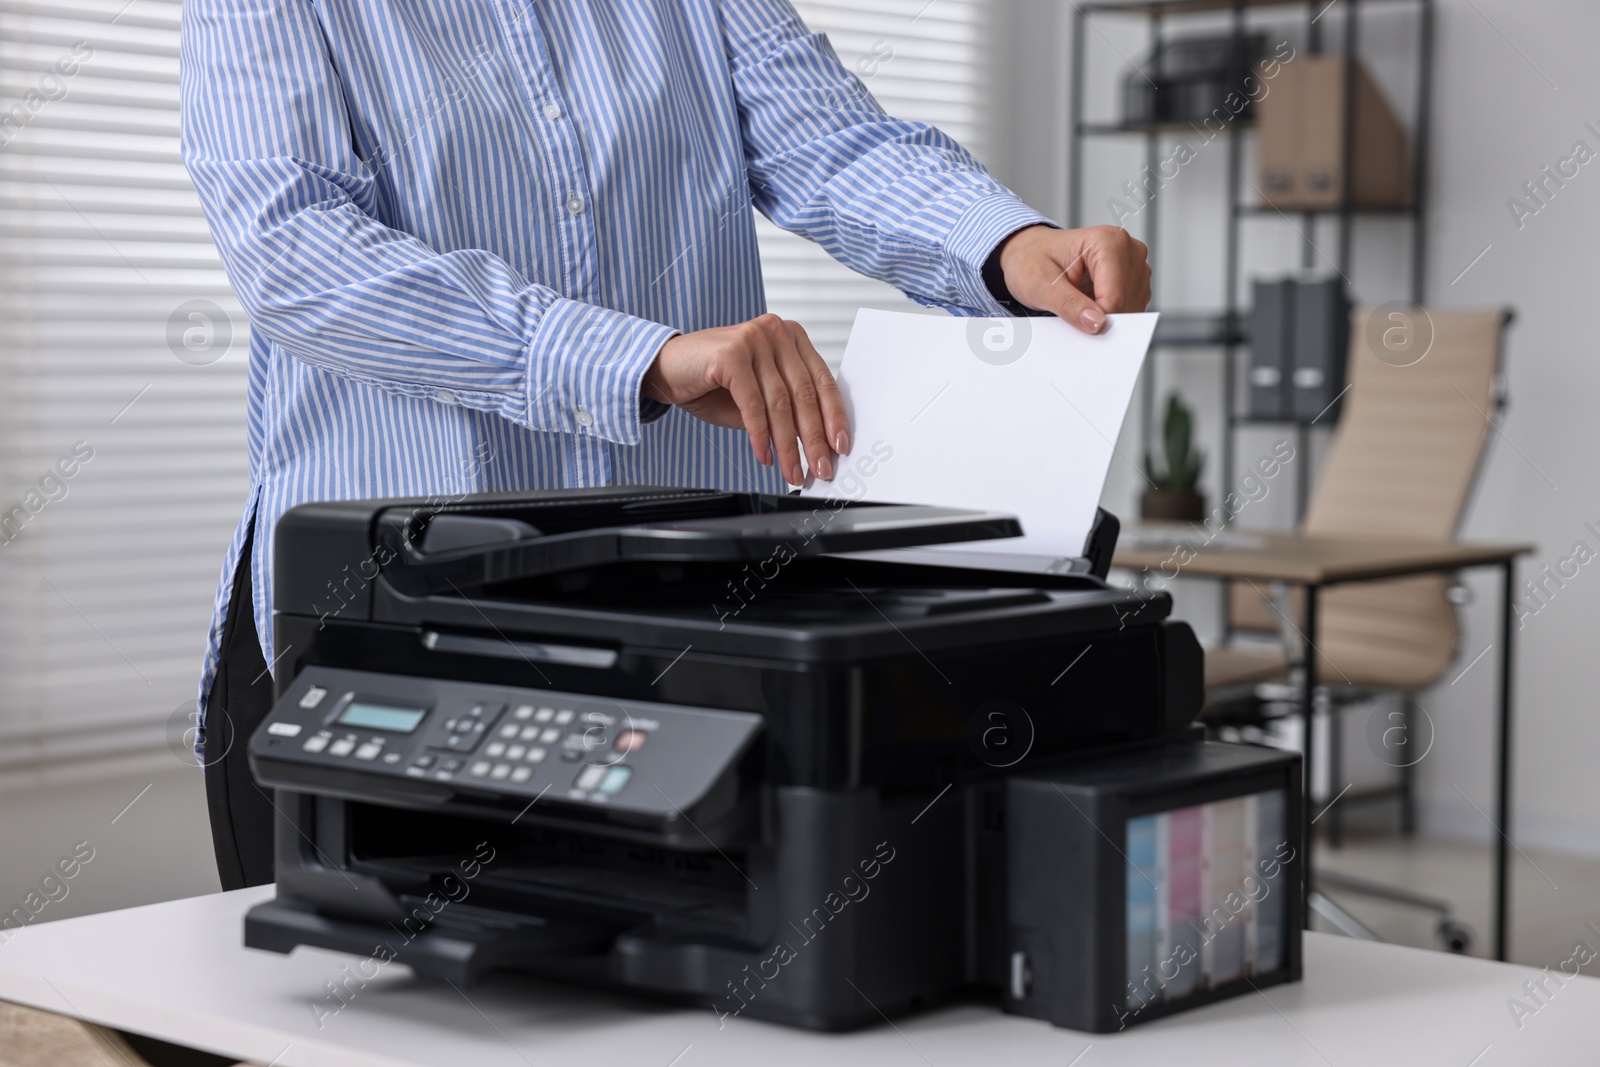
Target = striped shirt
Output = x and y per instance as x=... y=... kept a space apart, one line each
x=462 y=230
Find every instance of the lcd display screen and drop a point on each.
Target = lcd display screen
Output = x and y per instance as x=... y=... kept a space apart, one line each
x=381 y=717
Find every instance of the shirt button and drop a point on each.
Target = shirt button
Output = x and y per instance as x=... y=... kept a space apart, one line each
x=552 y=111
x=575 y=203
x=584 y=418
x=444 y=396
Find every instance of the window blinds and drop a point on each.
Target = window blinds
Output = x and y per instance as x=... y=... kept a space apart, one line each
x=122 y=465
x=122 y=350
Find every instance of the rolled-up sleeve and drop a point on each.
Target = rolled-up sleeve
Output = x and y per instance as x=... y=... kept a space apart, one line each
x=896 y=200
x=266 y=139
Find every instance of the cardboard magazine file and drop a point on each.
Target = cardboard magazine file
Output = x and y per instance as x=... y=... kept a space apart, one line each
x=1302 y=140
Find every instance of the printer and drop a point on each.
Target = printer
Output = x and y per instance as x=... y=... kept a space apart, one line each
x=776 y=756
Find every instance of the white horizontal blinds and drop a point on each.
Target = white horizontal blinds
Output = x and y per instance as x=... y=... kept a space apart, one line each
x=922 y=60
x=122 y=463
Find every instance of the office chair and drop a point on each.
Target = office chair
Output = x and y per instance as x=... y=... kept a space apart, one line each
x=1402 y=463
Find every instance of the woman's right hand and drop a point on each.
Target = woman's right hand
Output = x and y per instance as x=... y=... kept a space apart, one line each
x=765 y=377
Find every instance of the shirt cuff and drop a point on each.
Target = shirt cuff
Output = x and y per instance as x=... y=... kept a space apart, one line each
x=976 y=236
x=651 y=409
x=585 y=367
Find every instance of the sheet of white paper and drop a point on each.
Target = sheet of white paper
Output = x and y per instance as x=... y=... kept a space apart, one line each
x=1017 y=414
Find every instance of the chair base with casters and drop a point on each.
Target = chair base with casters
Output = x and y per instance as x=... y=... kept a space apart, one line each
x=1453 y=935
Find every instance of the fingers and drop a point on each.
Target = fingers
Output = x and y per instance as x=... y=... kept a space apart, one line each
x=806 y=408
x=767 y=376
x=1074 y=305
x=742 y=384
x=767 y=340
x=834 y=421
x=1118 y=272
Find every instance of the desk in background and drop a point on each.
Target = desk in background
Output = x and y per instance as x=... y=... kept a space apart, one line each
x=1315 y=562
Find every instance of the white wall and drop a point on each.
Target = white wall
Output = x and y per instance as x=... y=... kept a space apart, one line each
x=1513 y=88
x=1514 y=96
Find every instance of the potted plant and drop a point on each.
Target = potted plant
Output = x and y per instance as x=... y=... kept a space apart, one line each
x=1172 y=495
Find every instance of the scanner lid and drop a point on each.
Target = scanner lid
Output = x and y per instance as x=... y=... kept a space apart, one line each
x=504 y=537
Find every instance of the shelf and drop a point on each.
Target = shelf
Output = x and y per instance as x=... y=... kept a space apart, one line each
x=1190 y=329
x=1217 y=335
x=1253 y=420
x=1123 y=129
x=1272 y=212
x=1196 y=7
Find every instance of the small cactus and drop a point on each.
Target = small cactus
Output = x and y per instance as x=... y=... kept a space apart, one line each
x=1184 y=461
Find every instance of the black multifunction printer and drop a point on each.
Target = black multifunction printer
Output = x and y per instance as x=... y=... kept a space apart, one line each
x=770 y=755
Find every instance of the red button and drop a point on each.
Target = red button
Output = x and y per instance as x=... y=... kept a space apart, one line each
x=630 y=740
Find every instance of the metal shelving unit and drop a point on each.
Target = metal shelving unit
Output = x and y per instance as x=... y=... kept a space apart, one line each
x=1226 y=330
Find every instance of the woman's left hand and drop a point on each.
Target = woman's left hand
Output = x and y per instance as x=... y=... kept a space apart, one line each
x=1080 y=275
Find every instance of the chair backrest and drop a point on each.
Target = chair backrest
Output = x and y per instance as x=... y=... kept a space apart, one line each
x=1402 y=463
x=1408 y=444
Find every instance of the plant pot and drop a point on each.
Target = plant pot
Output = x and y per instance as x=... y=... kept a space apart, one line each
x=1167 y=505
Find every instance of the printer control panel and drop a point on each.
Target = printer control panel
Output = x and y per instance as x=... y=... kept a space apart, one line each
x=633 y=755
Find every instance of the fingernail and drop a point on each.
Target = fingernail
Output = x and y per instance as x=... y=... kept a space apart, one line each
x=841 y=443
x=825 y=468
x=766 y=460
x=796 y=475
x=1093 y=319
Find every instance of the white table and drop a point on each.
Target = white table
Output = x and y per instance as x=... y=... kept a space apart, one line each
x=177 y=971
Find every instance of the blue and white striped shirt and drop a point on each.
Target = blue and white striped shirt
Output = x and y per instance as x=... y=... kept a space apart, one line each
x=462 y=230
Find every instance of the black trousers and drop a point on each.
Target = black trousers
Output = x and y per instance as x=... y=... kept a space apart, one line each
x=241 y=695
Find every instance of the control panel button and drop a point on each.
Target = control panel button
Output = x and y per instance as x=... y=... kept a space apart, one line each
x=467 y=729
x=501 y=771
x=631 y=740
x=529 y=733
x=342 y=747
x=616 y=777
x=317 y=742
x=564 y=716
x=313 y=696
x=523 y=713
x=589 y=777
x=521 y=774
x=451 y=764
x=550 y=736
x=480 y=769
x=424 y=761
x=495 y=749
x=284 y=729
x=545 y=715
x=392 y=757
x=536 y=755
x=516 y=752
x=369 y=751
x=509 y=730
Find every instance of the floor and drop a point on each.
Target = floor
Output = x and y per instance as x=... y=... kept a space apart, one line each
x=1554 y=899
x=150 y=842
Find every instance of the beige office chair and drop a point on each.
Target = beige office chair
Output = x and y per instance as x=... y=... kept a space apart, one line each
x=1401 y=464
